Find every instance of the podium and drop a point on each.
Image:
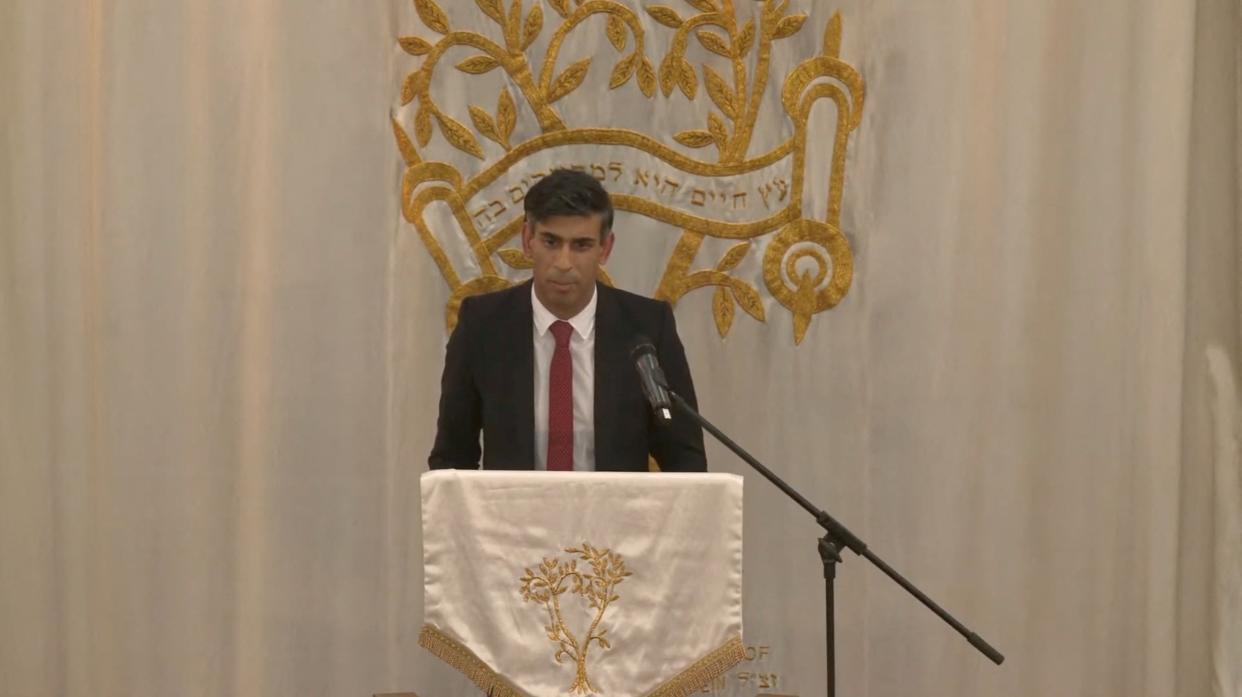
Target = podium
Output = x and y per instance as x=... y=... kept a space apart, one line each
x=579 y=583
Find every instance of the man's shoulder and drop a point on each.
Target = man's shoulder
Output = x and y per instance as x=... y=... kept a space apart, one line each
x=504 y=300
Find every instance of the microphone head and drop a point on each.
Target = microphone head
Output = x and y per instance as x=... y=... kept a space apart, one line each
x=641 y=346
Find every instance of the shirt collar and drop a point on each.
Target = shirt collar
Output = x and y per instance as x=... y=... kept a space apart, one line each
x=583 y=322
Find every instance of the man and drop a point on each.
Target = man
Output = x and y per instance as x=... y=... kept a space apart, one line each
x=543 y=368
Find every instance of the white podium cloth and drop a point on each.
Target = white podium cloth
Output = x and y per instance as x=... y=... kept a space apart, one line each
x=560 y=583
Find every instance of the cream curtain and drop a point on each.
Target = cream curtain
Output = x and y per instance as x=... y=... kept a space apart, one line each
x=220 y=347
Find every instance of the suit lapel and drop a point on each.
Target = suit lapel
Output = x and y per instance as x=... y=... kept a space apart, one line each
x=609 y=364
x=522 y=375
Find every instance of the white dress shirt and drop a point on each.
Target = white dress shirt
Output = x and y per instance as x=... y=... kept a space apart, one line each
x=582 y=350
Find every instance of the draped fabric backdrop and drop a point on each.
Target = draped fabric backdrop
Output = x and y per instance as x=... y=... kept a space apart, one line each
x=220 y=345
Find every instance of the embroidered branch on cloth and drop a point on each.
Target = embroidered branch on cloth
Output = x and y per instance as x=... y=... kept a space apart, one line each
x=552 y=579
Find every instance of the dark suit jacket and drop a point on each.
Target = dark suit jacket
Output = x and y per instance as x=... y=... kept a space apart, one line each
x=488 y=385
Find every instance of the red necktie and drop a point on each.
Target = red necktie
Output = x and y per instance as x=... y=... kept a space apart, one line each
x=561 y=401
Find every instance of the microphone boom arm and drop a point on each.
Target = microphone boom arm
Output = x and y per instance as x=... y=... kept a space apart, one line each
x=836 y=536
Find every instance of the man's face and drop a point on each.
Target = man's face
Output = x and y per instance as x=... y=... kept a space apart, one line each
x=568 y=253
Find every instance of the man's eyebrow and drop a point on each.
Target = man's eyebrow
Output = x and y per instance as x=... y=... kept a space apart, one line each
x=553 y=235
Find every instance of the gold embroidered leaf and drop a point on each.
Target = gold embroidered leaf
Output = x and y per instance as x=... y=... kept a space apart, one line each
x=789 y=26
x=506 y=116
x=493 y=9
x=722 y=310
x=622 y=71
x=717 y=128
x=513 y=26
x=432 y=15
x=516 y=258
x=616 y=32
x=534 y=25
x=832 y=36
x=704 y=5
x=733 y=257
x=561 y=7
x=477 y=65
x=714 y=42
x=569 y=80
x=687 y=80
x=665 y=15
x=407 y=88
x=414 y=45
x=422 y=125
x=669 y=70
x=748 y=299
x=483 y=123
x=646 y=77
x=458 y=135
x=746 y=38
x=408 y=153
x=694 y=139
x=720 y=92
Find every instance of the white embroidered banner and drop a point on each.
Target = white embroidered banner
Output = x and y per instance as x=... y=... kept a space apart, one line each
x=567 y=583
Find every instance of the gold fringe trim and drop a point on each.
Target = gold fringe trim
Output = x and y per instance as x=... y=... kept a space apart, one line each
x=463 y=659
x=704 y=670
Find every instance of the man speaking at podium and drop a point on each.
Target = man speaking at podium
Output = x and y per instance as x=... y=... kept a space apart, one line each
x=543 y=369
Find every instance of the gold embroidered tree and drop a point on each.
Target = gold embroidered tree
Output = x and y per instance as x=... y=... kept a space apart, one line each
x=520 y=28
x=548 y=582
x=807 y=264
x=738 y=103
x=520 y=31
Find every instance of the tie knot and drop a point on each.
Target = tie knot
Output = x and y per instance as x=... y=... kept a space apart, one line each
x=562 y=330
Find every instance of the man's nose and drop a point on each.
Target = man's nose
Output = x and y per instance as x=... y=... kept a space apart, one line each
x=562 y=260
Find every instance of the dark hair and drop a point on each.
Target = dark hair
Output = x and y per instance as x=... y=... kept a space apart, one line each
x=569 y=192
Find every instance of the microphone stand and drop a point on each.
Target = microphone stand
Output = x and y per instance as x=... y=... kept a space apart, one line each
x=836 y=537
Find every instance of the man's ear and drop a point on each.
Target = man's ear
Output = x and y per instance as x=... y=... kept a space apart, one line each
x=607 y=247
x=528 y=236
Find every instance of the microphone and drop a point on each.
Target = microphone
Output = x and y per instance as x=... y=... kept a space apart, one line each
x=655 y=386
